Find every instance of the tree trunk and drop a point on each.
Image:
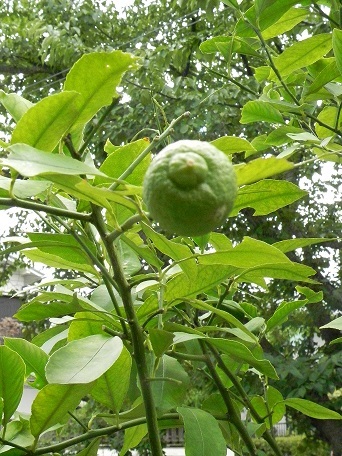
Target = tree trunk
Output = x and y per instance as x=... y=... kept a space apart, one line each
x=330 y=430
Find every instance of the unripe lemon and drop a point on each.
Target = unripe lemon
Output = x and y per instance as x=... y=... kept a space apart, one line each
x=190 y=188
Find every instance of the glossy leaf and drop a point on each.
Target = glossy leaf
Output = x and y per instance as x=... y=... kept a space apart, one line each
x=12 y=375
x=240 y=352
x=17 y=433
x=161 y=340
x=337 y=47
x=133 y=436
x=198 y=304
x=24 y=188
x=249 y=253
x=289 y=20
x=170 y=385
x=286 y=271
x=111 y=388
x=95 y=76
x=203 y=436
x=331 y=116
x=261 y=168
x=283 y=311
x=303 y=53
x=30 y=162
x=38 y=309
x=45 y=123
x=121 y=157
x=172 y=249
x=52 y=404
x=266 y=196
x=35 y=359
x=327 y=74
x=180 y=286
x=275 y=403
x=92 y=449
x=15 y=104
x=312 y=409
x=260 y=111
x=288 y=245
x=232 y=144
x=335 y=324
x=83 y=360
x=82 y=189
x=270 y=14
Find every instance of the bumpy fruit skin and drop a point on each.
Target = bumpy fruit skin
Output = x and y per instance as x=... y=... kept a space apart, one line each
x=190 y=188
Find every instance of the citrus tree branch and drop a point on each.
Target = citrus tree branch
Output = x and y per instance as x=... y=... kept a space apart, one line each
x=267 y=436
x=232 y=413
x=32 y=205
x=137 y=335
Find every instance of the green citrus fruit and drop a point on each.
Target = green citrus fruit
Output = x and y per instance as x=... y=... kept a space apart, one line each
x=190 y=188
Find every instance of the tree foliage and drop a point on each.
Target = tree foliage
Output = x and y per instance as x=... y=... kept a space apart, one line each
x=90 y=96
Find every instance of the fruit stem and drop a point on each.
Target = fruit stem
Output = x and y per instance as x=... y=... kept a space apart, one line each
x=156 y=140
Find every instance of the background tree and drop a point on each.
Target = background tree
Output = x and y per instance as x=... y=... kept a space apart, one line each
x=181 y=71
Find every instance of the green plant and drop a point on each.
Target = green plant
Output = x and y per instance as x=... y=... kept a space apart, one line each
x=190 y=188
x=140 y=308
x=296 y=445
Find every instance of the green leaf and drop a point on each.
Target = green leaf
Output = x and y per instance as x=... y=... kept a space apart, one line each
x=337 y=47
x=231 y=3
x=92 y=449
x=275 y=403
x=226 y=316
x=287 y=22
x=30 y=162
x=133 y=436
x=279 y=136
x=249 y=253
x=260 y=111
x=240 y=352
x=56 y=261
x=111 y=388
x=289 y=245
x=39 y=310
x=24 y=188
x=203 y=436
x=172 y=249
x=46 y=122
x=266 y=196
x=303 y=53
x=35 y=359
x=283 y=311
x=331 y=116
x=52 y=404
x=121 y=157
x=17 y=433
x=83 y=360
x=261 y=168
x=290 y=271
x=311 y=409
x=82 y=189
x=160 y=340
x=12 y=375
x=180 y=286
x=95 y=76
x=15 y=104
x=227 y=45
x=232 y=144
x=329 y=73
x=170 y=385
x=335 y=324
x=274 y=10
